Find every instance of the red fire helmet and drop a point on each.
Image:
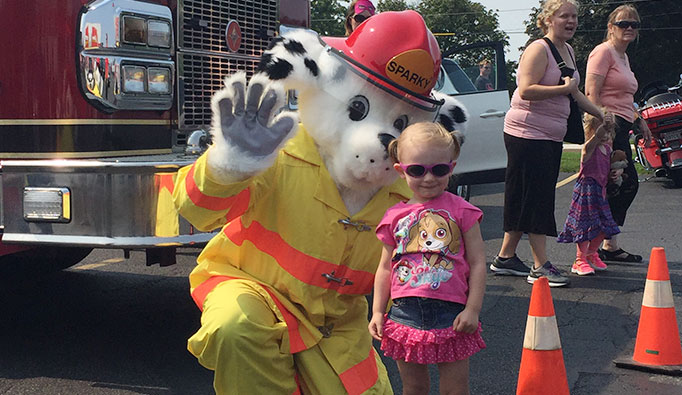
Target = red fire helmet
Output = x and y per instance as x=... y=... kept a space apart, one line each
x=395 y=50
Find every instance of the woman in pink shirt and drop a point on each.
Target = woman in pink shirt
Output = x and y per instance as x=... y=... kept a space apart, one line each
x=611 y=84
x=534 y=129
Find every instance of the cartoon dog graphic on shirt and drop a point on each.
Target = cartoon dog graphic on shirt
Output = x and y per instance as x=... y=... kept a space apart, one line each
x=436 y=234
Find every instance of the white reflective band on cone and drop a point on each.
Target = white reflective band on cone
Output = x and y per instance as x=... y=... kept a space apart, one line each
x=658 y=294
x=542 y=333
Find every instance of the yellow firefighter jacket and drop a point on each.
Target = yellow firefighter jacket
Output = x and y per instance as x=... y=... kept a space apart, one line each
x=288 y=230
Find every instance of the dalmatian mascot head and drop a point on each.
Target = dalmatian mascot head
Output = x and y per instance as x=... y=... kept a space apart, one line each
x=355 y=95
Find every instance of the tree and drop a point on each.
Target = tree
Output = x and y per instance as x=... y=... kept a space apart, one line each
x=327 y=17
x=454 y=22
x=655 y=55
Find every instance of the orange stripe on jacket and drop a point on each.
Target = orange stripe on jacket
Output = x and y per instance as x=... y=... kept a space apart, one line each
x=296 y=343
x=362 y=376
x=305 y=268
x=238 y=203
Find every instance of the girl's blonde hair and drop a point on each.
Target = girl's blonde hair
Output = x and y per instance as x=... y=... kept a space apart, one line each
x=549 y=8
x=422 y=132
x=627 y=11
x=592 y=123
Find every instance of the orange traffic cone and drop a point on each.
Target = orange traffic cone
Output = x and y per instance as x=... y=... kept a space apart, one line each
x=657 y=348
x=542 y=362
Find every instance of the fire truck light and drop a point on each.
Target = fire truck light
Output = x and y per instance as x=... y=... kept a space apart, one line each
x=47 y=204
x=133 y=79
x=134 y=30
x=159 y=34
x=158 y=80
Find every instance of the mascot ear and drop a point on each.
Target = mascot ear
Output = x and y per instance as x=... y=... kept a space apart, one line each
x=294 y=59
x=452 y=115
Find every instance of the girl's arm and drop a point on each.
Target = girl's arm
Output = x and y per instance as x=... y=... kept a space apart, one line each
x=588 y=148
x=382 y=292
x=586 y=105
x=532 y=69
x=467 y=320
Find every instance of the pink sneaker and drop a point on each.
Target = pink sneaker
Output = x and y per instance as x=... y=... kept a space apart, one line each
x=596 y=262
x=581 y=268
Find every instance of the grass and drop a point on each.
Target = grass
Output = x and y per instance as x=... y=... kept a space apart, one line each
x=570 y=163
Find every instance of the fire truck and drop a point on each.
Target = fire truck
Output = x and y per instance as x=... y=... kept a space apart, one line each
x=101 y=102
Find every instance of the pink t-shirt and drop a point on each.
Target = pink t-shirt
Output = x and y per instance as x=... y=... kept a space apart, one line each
x=540 y=119
x=620 y=84
x=429 y=251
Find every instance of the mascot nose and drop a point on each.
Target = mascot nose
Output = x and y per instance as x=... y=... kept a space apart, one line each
x=385 y=138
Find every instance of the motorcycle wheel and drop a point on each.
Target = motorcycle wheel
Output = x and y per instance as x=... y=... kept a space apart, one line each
x=676 y=176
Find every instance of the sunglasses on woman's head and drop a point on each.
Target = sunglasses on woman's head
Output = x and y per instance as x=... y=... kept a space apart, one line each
x=417 y=170
x=626 y=24
x=359 y=18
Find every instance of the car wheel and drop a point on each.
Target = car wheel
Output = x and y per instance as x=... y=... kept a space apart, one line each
x=460 y=189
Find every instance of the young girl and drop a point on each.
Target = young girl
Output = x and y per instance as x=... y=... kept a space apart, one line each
x=432 y=267
x=589 y=220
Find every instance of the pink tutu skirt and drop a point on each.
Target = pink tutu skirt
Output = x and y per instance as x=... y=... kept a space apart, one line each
x=402 y=342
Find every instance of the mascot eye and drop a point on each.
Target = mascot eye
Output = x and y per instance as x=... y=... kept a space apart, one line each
x=400 y=123
x=358 y=107
x=440 y=233
x=423 y=234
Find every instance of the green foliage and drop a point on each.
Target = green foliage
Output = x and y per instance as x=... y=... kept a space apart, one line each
x=392 y=5
x=656 y=55
x=327 y=17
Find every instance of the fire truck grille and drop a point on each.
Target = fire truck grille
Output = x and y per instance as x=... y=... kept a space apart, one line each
x=203 y=23
x=202 y=75
x=203 y=57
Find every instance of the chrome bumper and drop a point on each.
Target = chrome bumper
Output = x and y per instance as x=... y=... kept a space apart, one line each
x=116 y=204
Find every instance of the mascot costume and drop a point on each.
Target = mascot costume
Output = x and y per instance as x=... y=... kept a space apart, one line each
x=282 y=286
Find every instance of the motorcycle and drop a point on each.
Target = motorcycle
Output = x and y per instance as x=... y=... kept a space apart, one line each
x=661 y=107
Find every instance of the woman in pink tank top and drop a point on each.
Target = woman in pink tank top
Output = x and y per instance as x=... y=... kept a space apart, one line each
x=534 y=129
x=610 y=83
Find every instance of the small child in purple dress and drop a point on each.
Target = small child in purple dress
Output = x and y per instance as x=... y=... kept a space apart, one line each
x=432 y=267
x=589 y=219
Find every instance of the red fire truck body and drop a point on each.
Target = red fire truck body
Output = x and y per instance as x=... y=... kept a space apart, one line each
x=101 y=103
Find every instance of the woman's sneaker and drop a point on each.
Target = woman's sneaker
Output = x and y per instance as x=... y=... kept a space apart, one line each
x=581 y=268
x=596 y=262
x=509 y=266
x=556 y=279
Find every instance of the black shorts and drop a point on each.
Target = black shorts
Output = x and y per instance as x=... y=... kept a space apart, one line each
x=530 y=183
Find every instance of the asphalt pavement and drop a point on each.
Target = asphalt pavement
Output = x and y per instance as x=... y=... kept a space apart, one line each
x=114 y=326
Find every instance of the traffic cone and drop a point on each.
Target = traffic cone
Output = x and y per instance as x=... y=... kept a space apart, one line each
x=657 y=348
x=542 y=362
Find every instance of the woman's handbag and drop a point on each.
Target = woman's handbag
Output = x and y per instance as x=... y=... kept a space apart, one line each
x=574 y=131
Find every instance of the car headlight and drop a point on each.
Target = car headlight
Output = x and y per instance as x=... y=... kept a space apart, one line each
x=134 y=30
x=158 y=34
x=159 y=80
x=133 y=79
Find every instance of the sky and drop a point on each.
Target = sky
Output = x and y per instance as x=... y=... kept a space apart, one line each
x=511 y=15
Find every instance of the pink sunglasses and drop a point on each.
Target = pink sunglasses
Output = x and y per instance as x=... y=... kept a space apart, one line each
x=418 y=171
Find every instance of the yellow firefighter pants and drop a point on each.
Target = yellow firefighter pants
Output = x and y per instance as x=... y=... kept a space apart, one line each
x=241 y=339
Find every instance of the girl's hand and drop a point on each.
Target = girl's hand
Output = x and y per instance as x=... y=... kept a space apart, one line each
x=376 y=326
x=466 y=321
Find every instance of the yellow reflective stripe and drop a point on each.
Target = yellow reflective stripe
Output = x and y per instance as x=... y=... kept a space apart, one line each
x=542 y=333
x=658 y=294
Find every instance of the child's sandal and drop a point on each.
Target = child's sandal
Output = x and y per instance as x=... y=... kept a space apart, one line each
x=619 y=255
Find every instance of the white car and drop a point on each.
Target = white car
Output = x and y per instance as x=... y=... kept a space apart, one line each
x=483 y=158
